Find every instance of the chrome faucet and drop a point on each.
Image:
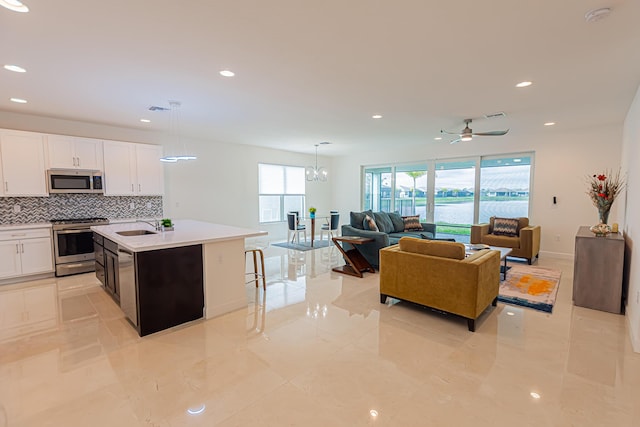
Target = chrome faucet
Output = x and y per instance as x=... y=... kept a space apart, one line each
x=156 y=223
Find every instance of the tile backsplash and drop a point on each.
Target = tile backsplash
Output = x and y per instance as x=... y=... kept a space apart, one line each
x=59 y=206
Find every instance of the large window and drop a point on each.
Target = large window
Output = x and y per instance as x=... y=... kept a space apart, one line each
x=504 y=187
x=281 y=190
x=452 y=193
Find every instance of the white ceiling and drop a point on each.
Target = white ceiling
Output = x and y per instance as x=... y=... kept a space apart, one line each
x=311 y=71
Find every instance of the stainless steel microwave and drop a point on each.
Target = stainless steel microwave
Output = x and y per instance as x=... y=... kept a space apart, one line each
x=74 y=181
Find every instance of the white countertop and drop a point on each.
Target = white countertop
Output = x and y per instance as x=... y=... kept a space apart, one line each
x=25 y=226
x=185 y=233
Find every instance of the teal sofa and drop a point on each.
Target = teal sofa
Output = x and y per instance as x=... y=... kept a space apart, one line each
x=391 y=230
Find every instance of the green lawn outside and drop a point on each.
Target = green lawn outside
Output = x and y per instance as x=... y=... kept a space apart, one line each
x=422 y=201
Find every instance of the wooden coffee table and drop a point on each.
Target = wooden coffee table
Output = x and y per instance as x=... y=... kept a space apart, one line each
x=504 y=252
x=356 y=262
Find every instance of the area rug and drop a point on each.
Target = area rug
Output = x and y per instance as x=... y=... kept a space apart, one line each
x=530 y=286
x=304 y=246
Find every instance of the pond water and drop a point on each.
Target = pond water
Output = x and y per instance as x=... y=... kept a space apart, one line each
x=462 y=213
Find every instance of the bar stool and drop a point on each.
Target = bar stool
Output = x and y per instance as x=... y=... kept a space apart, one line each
x=257 y=274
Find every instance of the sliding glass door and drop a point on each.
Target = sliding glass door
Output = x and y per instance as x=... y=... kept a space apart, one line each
x=454 y=197
x=453 y=193
x=377 y=189
x=411 y=190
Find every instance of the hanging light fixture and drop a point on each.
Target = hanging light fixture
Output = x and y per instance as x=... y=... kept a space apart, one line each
x=177 y=149
x=15 y=5
x=316 y=173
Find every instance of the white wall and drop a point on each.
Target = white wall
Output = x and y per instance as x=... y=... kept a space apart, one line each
x=222 y=185
x=630 y=158
x=563 y=161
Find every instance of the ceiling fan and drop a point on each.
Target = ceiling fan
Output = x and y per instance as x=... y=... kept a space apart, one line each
x=467 y=133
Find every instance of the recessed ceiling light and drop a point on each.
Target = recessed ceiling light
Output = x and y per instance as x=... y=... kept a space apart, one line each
x=376 y=116
x=524 y=84
x=373 y=413
x=19 y=100
x=15 y=5
x=15 y=68
x=535 y=395
x=438 y=138
x=227 y=73
x=145 y=120
x=510 y=313
x=550 y=123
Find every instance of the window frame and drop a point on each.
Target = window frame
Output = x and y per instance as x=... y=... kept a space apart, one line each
x=431 y=171
x=282 y=196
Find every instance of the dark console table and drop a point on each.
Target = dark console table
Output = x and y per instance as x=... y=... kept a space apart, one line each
x=356 y=264
x=597 y=271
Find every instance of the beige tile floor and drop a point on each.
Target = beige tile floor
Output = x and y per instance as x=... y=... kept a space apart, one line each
x=318 y=349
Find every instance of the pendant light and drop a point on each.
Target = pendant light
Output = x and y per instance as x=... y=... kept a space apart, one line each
x=315 y=173
x=176 y=149
x=15 y=5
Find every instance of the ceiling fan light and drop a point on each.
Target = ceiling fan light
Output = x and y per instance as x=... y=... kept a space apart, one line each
x=466 y=138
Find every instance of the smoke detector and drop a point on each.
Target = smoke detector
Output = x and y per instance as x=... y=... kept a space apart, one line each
x=597 y=14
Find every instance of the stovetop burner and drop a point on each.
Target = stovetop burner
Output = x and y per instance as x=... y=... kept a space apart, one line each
x=79 y=221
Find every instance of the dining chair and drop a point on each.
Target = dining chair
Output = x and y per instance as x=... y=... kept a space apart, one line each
x=331 y=227
x=295 y=228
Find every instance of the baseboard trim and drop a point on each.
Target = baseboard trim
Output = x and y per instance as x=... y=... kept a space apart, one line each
x=558 y=255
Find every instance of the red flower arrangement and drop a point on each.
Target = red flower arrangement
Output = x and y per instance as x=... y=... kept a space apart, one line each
x=603 y=190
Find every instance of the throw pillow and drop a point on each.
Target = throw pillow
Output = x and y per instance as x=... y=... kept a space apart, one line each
x=396 y=220
x=357 y=218
x=383 y=222
x=369 y=223
x=412 y=223
x=505 y=226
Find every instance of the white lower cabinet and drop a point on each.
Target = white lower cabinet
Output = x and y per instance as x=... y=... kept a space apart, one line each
x=25 y=310
x=25 y=252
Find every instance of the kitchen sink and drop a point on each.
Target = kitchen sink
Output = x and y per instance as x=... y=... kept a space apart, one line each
x=135 y=232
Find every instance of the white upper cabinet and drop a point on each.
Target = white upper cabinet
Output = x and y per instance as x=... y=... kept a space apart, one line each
x=23 y=165
x=119 y=169
x=70 y=152
x=132 y=169
x=150 y=170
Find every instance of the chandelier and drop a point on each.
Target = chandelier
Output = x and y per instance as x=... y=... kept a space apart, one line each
x=315 y=173
x=176 y=149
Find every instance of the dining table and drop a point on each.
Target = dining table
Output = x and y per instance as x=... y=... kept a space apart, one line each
x=313 y=223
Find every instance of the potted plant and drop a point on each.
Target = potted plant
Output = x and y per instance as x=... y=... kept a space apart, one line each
x=312 y=212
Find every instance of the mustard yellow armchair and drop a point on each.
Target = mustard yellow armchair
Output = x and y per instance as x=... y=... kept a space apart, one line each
x=524 y=244
x=436 y=274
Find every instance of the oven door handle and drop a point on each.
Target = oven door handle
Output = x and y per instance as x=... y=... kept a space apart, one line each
x=74 y=231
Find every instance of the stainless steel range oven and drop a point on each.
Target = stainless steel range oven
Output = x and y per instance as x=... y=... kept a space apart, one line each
x=73 y=245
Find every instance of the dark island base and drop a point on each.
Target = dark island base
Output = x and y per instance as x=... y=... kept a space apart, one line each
x=170 y=287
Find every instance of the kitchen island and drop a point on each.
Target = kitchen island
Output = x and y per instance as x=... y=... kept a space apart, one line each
x=166 y=276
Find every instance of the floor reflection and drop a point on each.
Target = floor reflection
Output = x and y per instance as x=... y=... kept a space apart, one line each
x=318 y=348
